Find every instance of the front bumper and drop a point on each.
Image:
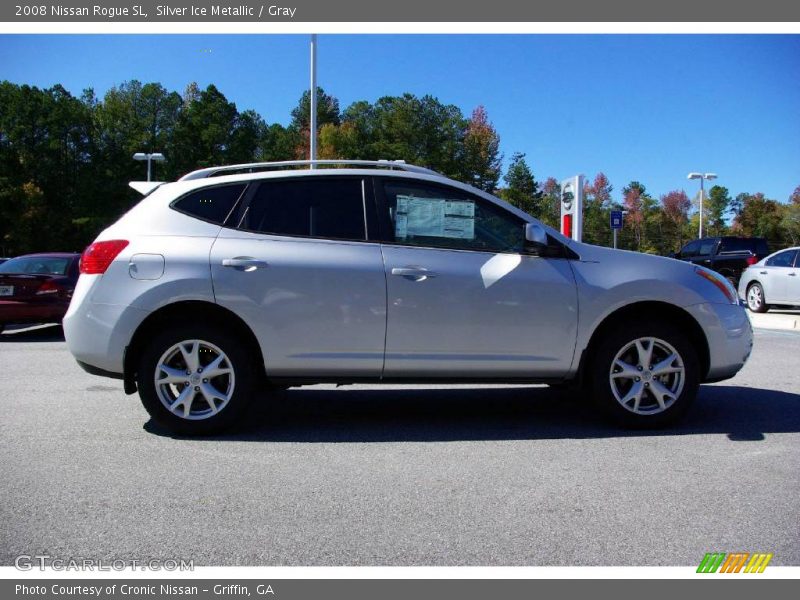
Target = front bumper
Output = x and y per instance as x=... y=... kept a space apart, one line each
x=730 y=337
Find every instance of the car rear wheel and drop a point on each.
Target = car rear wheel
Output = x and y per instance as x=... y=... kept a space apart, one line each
x=755 y=298
x=645 y=376
x=195 y=379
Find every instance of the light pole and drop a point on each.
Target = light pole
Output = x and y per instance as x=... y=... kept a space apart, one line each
x=155 y=156
x=701 y=177
x=313 y=126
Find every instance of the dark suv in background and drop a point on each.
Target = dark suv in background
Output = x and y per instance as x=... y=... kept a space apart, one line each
x=727 y=255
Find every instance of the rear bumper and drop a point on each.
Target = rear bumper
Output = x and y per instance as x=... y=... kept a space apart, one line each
x=98 y=333
x=729 y=335
x=100 y=372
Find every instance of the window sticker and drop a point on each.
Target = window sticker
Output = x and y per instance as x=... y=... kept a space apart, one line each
x=434 y=217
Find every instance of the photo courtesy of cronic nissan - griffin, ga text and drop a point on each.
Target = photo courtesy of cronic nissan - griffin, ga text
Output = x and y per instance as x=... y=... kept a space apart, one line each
x=265 y=276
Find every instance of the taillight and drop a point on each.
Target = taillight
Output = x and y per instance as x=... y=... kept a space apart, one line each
x=98 y=256
x=48 y=287
x=722 y=284
x=751 y=260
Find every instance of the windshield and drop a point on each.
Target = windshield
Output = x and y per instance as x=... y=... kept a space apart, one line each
x=36 y=265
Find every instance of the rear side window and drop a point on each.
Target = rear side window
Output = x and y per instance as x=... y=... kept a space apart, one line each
x=212 y=204
x=707 y=247
x=783 y=259
x=312 y=207
x=754 y=245
x=37 y=265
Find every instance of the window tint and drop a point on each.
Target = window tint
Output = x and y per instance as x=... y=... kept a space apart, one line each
x=36 y=265
x=316 y=207
x=754 y=245
x=448 y=218
x=212 y=203
x=690 y=249
x=707 y=247
x=783 y=259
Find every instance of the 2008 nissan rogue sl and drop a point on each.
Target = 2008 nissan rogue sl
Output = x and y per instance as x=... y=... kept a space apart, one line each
x=255 y=275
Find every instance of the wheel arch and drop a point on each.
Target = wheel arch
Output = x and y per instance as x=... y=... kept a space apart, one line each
x=207 y=312
x=664 y=311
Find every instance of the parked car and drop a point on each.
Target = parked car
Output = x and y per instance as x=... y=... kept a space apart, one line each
x=774 y=280
x=37 y=288
x=727 y=255
x=383 y=272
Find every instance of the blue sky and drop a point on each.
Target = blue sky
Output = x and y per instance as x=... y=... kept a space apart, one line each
x=649 y=107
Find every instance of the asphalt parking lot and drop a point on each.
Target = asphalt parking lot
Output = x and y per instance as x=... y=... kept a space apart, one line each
x=414 y=475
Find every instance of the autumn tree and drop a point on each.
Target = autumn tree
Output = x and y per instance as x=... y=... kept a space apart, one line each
x=676 y=205
x=482 y=157
x=596 y=207
x=758 y=216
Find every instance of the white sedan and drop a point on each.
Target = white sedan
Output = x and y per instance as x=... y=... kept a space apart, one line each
x=773 y=280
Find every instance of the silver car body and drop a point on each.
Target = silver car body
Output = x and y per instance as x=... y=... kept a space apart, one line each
x=780 y=282
x=326 y=310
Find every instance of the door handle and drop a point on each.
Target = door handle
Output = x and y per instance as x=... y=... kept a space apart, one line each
x=792 y=274
x=762 y=272
x=244 y=263
x=413 y=273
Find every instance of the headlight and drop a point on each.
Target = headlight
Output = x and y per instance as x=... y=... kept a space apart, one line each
x=721 y=282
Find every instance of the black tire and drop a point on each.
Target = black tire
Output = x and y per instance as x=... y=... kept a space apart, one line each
x=756 y=301
x=237 y=385
x=666 y=340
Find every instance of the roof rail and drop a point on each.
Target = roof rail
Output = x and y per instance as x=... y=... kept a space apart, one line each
x=266 y=166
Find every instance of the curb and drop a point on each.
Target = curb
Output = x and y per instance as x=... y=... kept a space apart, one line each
x=775 y=321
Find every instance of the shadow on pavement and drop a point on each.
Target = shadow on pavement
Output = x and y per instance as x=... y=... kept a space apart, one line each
x=518 y=413
x=36 y=333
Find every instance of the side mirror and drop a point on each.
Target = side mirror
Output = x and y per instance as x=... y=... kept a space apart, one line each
x=535 y=236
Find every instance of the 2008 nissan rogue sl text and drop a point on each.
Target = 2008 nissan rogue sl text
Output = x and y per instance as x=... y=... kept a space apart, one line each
x=257 y=275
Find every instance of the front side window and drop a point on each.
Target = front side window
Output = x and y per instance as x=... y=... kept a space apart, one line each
x=690 y=249
x=312 y=207
x=442 y=217
x=782 y=259
x=212 y=204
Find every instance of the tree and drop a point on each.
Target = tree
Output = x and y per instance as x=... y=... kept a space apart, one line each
x=550 y=203
x=482 y=157
x=205 y=132
x=758 y=216
x=597 y=198
x=521 y=188
x=676 y=205
x=327 y=114
x=717 y=206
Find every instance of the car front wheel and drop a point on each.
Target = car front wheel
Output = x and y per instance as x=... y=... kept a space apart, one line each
x=195 y=379
x=755 y=298
x=646 y=375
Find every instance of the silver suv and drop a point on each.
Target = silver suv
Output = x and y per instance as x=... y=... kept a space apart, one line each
x=247 y=276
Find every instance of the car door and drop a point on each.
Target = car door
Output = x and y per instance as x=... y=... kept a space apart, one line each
x=793 y=287
x=705 y=252
x=777 y=275
x=464 y=298
x=689 y=251
x=297 y=265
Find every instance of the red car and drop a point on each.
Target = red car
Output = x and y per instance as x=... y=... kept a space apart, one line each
x=37 y=288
